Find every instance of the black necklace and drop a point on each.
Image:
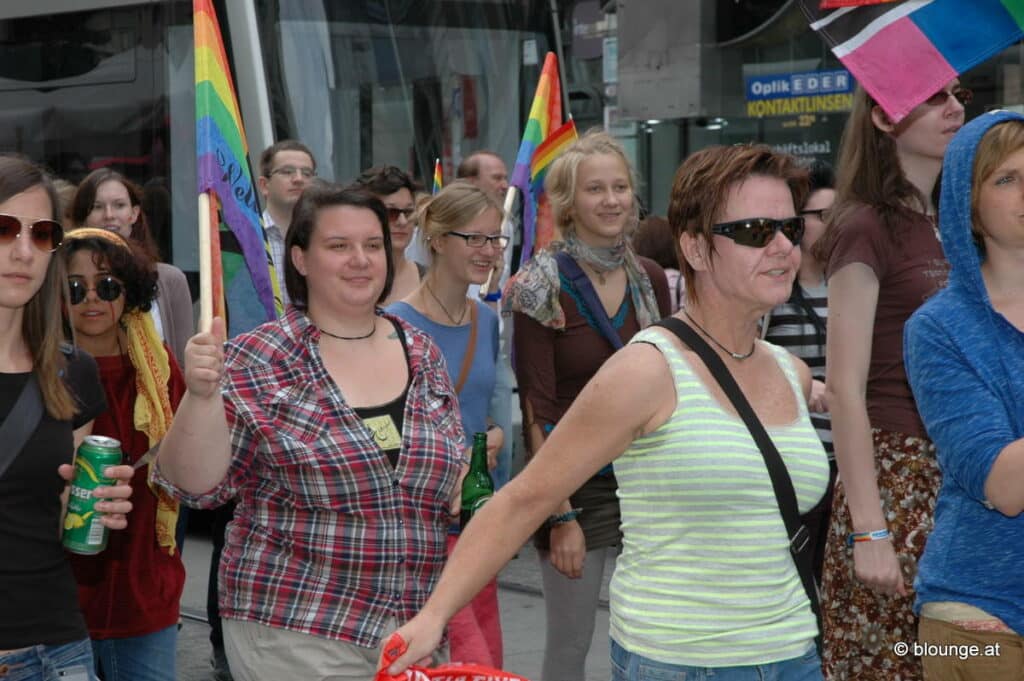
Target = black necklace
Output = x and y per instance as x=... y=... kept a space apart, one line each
x=451 y=317
x=334 y=335
x=734 y=355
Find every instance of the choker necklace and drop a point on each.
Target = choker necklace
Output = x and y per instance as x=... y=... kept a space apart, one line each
x=734 y=355
x=451 y=318
x=334 y=335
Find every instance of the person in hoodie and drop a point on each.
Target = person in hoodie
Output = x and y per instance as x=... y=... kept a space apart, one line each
x=964 y=353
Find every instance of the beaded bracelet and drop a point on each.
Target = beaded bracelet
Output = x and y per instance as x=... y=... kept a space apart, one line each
x=875 y=535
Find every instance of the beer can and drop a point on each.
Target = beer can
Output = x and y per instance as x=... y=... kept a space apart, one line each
x=83 y=530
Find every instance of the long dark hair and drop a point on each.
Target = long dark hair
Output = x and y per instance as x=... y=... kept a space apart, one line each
x=81 y=206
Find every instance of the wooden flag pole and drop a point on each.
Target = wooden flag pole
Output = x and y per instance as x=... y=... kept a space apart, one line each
x=205 y=265
x=506 y=229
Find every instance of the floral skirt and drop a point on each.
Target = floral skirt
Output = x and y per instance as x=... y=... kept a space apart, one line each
x=861 y=626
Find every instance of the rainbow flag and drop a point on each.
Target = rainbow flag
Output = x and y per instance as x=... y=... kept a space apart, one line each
x=550 y=149
x=241 y=253
x=438 y=176
x=904 y=52
x=545 y=116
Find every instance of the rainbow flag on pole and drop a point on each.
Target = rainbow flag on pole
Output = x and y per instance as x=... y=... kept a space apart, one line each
x=550 y=149
x=545 y=116
x=438 y=176
x=241 y=253
x=904 y=52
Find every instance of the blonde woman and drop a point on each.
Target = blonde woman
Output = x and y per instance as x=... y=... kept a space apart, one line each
x=461 y=228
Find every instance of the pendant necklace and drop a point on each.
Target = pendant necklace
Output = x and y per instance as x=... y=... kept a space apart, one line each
x=451 y=317
x=334 y=335
x=734 y=355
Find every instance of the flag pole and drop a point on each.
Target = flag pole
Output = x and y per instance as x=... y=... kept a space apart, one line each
x=564 y=85
x=205 y=265
x=506 y=229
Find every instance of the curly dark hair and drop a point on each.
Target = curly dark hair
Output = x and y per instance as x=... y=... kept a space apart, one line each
x=131 y=266
x=386 y=180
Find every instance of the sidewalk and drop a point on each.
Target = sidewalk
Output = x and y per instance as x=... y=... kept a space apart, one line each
x=522 y=617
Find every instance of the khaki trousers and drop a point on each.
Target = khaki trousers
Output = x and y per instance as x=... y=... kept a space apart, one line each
x=257 y=652
x=951 y=653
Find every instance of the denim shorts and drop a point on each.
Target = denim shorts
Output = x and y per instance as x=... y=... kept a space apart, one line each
x=64 y=662
x=627 y=666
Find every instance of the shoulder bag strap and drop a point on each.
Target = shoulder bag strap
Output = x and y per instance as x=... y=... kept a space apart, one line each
x=21 y=422
x=785 y=495
x=467 y=359
x=581 y=282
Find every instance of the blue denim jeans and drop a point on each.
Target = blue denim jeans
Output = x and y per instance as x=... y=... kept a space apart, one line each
x=139 y=658
x=65 y=662
x=627 y=666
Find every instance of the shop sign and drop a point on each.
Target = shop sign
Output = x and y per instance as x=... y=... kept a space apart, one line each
x=788 y=94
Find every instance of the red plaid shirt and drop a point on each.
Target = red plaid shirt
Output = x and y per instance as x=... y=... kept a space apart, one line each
x=328 y=539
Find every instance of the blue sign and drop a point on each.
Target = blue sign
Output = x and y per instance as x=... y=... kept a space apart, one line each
x=807 y=84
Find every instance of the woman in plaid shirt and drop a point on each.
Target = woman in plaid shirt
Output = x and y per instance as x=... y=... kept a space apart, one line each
x=337 y=430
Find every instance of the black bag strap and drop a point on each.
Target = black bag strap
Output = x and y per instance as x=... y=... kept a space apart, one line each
x=785 y=495
x=21 y=422
x=581 y=282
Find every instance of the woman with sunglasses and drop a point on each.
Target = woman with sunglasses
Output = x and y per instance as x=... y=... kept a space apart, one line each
x=461 y=228
x=129 y=593
x=883 y=260
x=42 y=632
x=107 y=200
x=396 y=190
x=558 y=346
x=706 y=584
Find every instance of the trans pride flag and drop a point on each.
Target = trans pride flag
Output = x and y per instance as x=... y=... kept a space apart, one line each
x=904 y=52
x=545 y=116
x=242 y=268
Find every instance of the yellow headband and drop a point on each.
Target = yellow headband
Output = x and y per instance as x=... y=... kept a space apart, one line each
x=97 y=233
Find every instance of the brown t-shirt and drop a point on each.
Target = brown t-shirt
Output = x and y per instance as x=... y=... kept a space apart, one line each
x=910 y=268
x=551 y=369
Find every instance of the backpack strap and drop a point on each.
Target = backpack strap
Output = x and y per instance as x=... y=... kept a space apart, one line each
x=581 y=282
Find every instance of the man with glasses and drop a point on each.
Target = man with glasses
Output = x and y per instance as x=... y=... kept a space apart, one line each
x=286 y=169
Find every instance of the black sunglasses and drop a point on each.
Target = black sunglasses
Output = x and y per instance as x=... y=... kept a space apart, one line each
x=758 y=232
x=107 y=288
x=46 y=235
x=395 y=213
x=819 y=213
x=962 y=95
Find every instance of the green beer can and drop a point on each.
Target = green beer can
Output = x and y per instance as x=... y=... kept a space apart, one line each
x=83 y=531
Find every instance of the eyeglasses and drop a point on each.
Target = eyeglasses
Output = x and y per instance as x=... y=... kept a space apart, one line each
x=290 y=171
x=478 y=240
x=819 y=213
x=46 y=235
x=758 y=232
x=962 y=95
x=107 y=288
x=395 y=213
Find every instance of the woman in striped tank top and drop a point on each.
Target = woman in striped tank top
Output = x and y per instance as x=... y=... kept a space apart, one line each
x=705 y=583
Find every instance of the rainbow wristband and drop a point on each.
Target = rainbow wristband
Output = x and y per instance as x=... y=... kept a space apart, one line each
x=876 y=535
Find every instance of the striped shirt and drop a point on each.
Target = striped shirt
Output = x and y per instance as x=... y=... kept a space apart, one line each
x=705 y=577
x=790 y=327
x=328 y=537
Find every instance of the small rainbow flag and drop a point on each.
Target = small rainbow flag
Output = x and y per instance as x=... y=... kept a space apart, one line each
x=545 y=116
x=904 y=52
x=550 y=149
x=438 y=177
x=242 y=267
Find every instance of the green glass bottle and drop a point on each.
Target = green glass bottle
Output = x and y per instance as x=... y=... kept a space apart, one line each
x=478 y=486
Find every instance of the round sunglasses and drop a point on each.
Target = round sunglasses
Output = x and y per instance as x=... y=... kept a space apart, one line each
x=107 y=289
x=45 y=235
x=758 y=232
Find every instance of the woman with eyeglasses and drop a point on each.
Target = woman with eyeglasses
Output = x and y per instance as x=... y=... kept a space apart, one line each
x=883 y=259
x=42 y=633
x=129 y=593
x=107 y=200
x=461 y=227
x=396 y=190
x=560 y=340
x=706 y=584
x=799 y=326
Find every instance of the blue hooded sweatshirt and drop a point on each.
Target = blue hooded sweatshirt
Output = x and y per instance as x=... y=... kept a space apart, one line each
x=965 y=363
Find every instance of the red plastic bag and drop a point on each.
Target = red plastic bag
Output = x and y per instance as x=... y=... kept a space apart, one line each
x=396 y=646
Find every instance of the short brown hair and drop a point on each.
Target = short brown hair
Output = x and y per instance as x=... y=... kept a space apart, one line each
x=267 y=157
x=313 y=200
x=470 y=166
x=703 y=182
x=995 y=146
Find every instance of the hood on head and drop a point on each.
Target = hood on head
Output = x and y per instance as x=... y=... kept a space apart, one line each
x=955 y=203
